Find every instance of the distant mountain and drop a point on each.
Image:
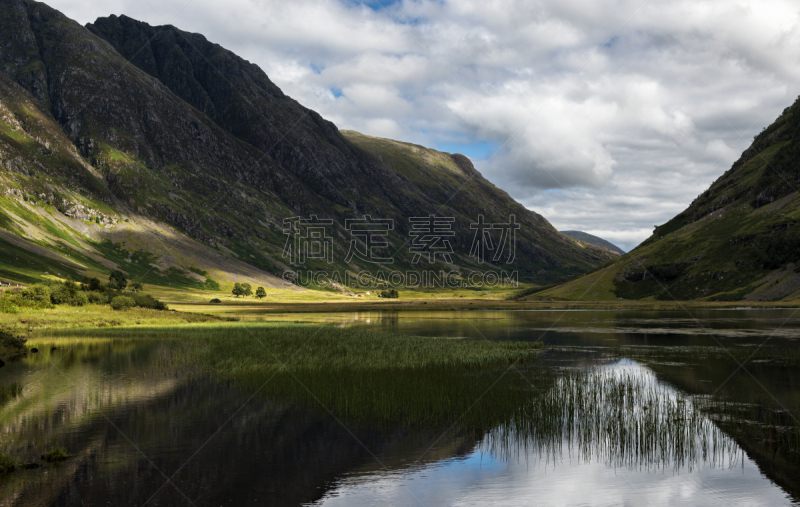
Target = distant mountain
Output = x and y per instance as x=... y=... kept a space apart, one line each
x=594 y=240
x=738 y=240
x=153 y=150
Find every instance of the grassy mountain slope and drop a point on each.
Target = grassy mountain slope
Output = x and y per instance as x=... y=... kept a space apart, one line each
x=58 y=217
x=593 y=240
x=439 y=174
x=738 y=240
x=182 y=166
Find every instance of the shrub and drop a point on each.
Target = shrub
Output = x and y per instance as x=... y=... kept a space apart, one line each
x=36 y=296
x=68 y=294
x=148 y=301
x=391 y=293
x=79 y=299
x=7 y=305
x=64 y=294
x=97 y=298
x=122 y=303
x=59 y=296
x=216 y=301
x=36 y=293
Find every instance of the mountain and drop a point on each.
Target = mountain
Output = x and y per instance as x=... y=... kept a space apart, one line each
x=593 y=240
x=153 y=150
x=738 y=240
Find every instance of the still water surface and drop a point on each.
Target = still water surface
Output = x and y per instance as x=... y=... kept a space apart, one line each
x=142 y=430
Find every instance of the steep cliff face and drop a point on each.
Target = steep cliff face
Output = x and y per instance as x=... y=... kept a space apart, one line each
x=740 y=239
x=161 y=126
x=240 y=98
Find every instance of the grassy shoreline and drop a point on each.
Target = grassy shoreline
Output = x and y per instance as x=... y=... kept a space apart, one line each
x=461 y=304
x=31 y=322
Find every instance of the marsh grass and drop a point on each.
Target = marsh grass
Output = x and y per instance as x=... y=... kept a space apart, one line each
x=55 y=454
x=622 y=418
x=762 y=418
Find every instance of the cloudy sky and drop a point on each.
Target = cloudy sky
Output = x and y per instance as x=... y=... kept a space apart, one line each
x=607 y=116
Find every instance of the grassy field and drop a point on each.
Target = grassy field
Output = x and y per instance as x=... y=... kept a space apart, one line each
x=317 y=296
x=188 y=311
x=250 y=308
x=29 y=322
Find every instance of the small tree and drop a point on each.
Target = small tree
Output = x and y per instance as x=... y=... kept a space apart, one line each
x=117 y=280
x=247 y=290
x=237 y=289
x=261 y=293
x=137 y=286
x=92 y=284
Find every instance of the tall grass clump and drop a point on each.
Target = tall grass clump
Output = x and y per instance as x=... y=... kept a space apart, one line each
x=621 y=418
x=55 y=454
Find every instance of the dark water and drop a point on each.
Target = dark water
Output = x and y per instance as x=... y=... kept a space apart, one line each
x=143 y=430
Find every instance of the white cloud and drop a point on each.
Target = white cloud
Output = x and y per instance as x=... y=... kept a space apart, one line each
x=630 y=108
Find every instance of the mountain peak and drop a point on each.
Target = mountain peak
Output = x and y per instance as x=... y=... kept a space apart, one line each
x=184 y=154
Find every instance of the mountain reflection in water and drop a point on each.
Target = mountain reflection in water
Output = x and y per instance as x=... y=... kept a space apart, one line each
x=599 y=429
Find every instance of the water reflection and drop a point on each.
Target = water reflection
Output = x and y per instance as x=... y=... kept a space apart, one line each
x=605 y=430
x=654 y=448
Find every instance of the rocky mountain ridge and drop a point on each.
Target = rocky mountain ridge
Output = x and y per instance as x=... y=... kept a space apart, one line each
x=136 y=146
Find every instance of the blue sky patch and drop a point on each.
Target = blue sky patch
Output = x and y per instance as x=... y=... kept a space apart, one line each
x=477 y=150
x=375 y=5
